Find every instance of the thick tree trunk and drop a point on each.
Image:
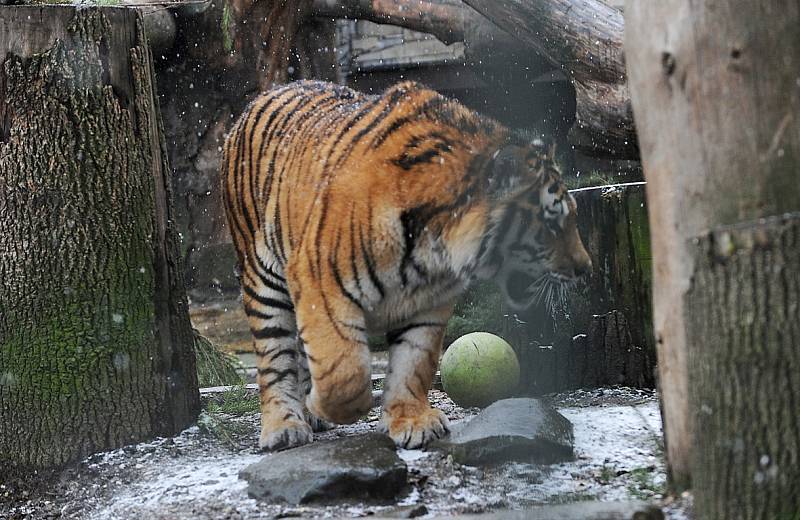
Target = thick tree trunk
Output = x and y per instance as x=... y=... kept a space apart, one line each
x=95 y=342
x=714 y=89
x=743 y=307
x=584 y=38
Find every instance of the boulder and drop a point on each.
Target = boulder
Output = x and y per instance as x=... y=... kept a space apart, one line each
x=365 y=467
x=520 y=429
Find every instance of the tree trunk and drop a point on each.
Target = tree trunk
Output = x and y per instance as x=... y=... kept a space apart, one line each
x=717 y=107
x=263 y=33
x=95 y=342
x=584 y=38
x=743 y=307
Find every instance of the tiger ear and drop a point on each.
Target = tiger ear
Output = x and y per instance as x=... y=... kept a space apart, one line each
x=508 y=172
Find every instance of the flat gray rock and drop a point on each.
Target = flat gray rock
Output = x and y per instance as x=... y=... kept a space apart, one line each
x=523 y=430
x=365 y=467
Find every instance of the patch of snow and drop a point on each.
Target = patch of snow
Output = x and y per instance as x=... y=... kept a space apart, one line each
x=412 y=498
x=183 y=483
x=626 y=437
x=411 y=455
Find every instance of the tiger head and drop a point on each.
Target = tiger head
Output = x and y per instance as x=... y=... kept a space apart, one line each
x=534 y=251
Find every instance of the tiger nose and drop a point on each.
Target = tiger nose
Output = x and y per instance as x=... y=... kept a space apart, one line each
x=583 y=268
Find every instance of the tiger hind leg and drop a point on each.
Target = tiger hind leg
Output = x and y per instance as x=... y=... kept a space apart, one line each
x=407 y=416
x=270 y=314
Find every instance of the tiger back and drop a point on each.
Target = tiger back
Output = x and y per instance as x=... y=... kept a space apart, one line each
x=355 y=214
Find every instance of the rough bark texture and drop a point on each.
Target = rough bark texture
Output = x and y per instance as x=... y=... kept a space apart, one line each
x=743 y=307
x=584 y=38
x=95 y=342
x=603 y=334
x=717 y=107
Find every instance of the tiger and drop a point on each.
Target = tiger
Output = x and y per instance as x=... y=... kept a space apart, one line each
x=355 y=214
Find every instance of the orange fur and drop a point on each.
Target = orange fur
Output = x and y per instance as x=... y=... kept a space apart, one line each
x=354 y=214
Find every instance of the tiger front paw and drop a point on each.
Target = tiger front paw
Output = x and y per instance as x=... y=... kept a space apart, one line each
x=290 y=434
x=411 y=431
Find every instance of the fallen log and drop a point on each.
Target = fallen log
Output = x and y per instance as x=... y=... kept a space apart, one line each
x=583 y=38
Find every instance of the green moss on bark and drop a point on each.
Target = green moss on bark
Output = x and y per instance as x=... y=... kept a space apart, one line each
x=95 y=343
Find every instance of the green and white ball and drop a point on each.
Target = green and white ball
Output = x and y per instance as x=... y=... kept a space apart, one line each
x=479 y=368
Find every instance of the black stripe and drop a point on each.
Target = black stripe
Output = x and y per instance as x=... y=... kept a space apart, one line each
x=346 y=126
x=373 y=275
x=389 y=105
x=414 y=220
x=292 y=353
x=350 y=296
x=281 y=374
x=406 y=162
x=311 y=112
x=272 y=285
x=268 y=270
x=393 y=335
x=353 y=266
x=254 y=173
x=255 y=313
x=331 y=369
x=270 y=98
x=333 y=320
x=323 y=210
x=337 y=276
x=267 y=302
x=271 y=333
x=402 y=121
x=536 y=254
x=276 y=129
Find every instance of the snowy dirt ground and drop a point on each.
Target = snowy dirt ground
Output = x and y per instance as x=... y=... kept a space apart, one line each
x=619 y=455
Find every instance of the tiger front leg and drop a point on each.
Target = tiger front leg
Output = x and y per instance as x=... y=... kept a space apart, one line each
x=407 y=416
x=333 y=334
x=270 y=314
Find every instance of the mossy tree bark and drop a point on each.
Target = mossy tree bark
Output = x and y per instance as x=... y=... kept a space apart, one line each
x=95 y=342
x=717 y=107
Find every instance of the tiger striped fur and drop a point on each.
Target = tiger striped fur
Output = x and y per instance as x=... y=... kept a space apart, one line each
x=354 y=214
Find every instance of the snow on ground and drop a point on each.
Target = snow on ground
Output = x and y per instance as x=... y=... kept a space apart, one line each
x=617 y=447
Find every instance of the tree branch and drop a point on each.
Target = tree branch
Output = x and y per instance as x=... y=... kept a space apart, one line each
x=584 y=38
x=450 y=21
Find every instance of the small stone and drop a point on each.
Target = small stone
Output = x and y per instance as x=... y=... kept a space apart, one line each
x=521 y=430
x=365 y=467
